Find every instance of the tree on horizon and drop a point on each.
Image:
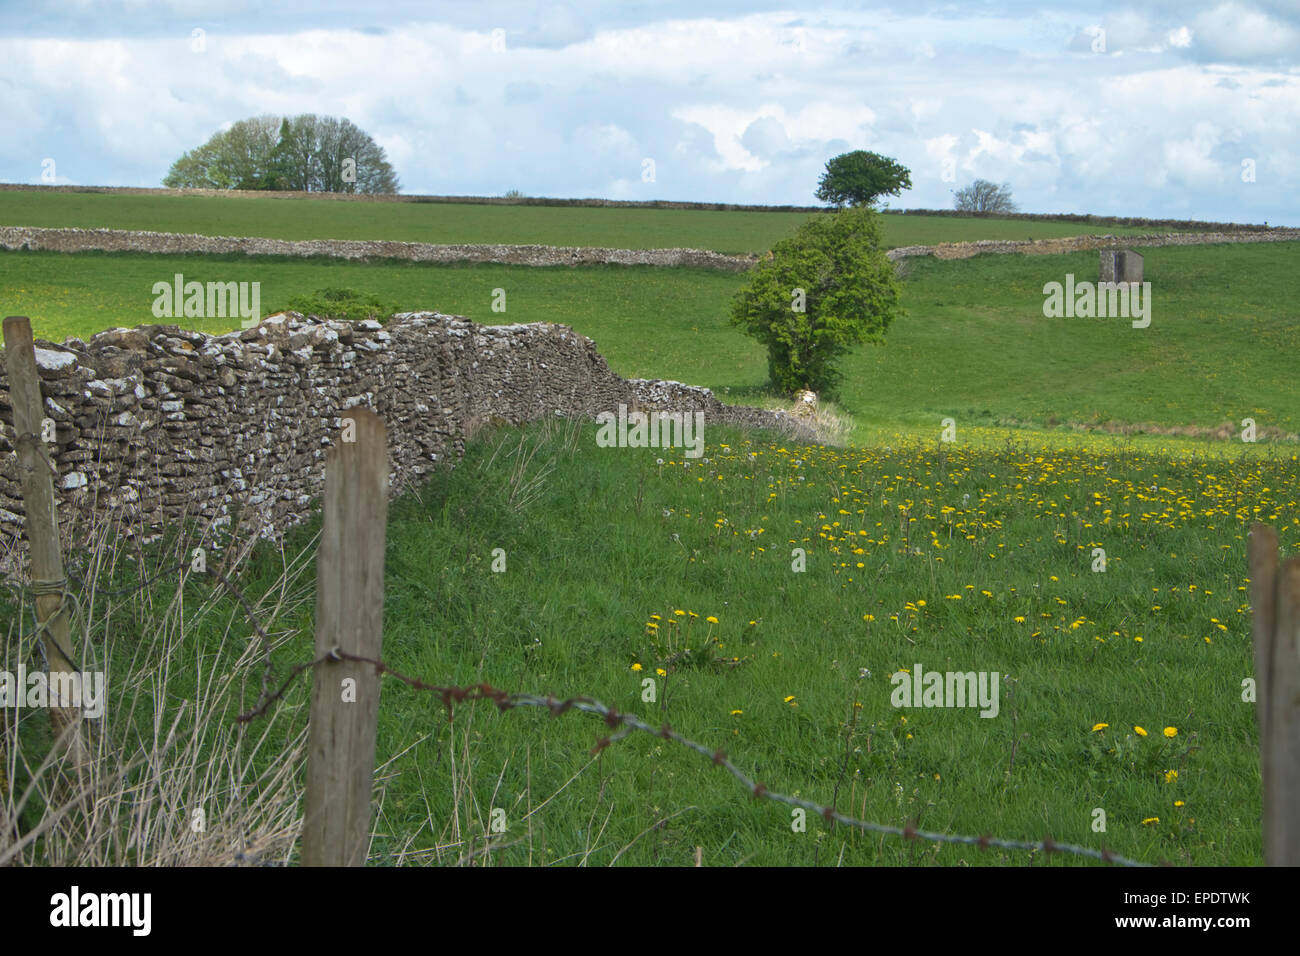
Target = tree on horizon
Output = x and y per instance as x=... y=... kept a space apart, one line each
x=306 y=153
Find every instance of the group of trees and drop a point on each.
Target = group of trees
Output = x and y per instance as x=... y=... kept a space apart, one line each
x=308 y=153
x=831 y=286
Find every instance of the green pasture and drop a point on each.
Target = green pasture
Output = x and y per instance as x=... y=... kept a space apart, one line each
x=724 y=231
x=973 y=343
x=669 y=588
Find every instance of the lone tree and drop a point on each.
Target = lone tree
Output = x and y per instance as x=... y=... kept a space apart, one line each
x=860 y=178
x=307 y=153
x=984 y=196
x=818 y=293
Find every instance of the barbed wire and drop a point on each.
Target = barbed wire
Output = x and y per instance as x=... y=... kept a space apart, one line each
x=623 y=725
x=630 y=723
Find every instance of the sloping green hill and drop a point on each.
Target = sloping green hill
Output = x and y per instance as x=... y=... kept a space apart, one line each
x=729 y=231
x=974 y=343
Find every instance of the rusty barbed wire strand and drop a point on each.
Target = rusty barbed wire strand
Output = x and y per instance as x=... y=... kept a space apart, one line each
x=452 y=695
x=630 y=723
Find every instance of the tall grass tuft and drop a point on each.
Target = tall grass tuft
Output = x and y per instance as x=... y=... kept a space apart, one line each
x=174 y=779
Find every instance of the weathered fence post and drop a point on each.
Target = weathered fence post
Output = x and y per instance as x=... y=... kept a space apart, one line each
x=350 y=618
x=1275 y=606
x=35 y=471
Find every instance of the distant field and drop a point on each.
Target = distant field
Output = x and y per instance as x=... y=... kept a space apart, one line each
x=721 y=231
x=974 y=343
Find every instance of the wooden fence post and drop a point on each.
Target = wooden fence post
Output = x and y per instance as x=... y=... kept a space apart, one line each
x=349 y=617
x=1275 y=606
x=35 y=472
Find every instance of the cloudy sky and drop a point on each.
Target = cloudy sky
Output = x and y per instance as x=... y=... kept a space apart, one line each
x=1165 y=108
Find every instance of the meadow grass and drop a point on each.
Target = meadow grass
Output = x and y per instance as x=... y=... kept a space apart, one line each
x=972 y=344
x=971 y=556
x=726 y=231
x=621 y=568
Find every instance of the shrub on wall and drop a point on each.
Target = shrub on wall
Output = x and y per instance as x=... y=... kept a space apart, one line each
x=344 y=304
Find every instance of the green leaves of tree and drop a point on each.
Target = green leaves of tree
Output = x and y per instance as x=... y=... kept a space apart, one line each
x=860 y=178
x=835 y=268
x=307 y=153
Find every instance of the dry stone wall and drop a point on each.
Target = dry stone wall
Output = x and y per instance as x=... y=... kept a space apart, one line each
x=157 y=423
x=171 y=243
x=121 y=240
x=1047 y=247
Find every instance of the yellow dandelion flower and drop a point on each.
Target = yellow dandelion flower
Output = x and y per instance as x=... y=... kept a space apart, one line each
x=1019 y=620
x=1150 y=820
x=711 y=619
x=1171 y=776
x=680 y=613
x=661 y=672
x=1171 y=731
x=1178 y=803
x=736 y=713
x=636 y=667
x=1139 y=731
x=789 y=699
x=1097 y=727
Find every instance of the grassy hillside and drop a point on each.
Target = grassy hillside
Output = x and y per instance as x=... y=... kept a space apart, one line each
x=973 y=344
x=628 y=565
x=1124 y=692
x=721 y=231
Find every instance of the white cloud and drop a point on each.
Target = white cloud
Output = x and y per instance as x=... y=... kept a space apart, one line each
x=744 y=107
x=815 y=123
x=1240 y=32
x=1188 y=159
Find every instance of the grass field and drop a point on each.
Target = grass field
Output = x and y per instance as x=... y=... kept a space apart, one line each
x=721 y=231
x=977 y=558
x=1126 y=684
x=973 y=343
